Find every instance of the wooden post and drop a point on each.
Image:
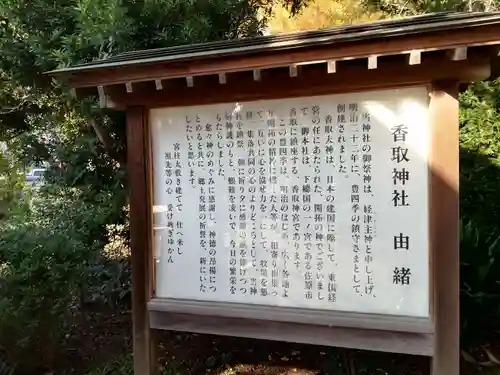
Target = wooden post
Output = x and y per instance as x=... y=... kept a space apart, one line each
x=138 y=163
x=444 y=226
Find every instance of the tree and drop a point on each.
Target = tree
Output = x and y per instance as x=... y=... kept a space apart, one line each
x=40 y=121
x=54 y=246
x=11 y=180
x=36 y=36
x=397 y=8
x=321 y=14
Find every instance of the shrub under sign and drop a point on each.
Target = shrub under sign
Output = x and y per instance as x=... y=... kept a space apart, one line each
x=301 y=187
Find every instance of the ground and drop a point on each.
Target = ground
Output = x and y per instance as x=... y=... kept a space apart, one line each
x=101 y=344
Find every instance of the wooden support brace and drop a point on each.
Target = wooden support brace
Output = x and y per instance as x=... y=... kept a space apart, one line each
x=458 y=54
x=415 y=58
x=102 y=96
x=256 y=75
x=331 y=66
x=444 y=226
x=141 y=238
x=372 y=62
x=222 y=78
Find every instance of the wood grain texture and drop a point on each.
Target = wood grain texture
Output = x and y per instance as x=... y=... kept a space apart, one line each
x=141 y=238
x=312 y=80
x=293 y=315
x=482 y=35
x=395 y=342
x=444 y=225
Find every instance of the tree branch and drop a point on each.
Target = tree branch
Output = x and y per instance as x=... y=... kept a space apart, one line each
x=106 y=141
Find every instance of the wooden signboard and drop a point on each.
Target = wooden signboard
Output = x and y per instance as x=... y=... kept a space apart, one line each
x=319 y=203
x=311 y=210
x=316 y=208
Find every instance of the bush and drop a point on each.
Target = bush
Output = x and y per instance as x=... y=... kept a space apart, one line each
x=480 y=287
x=480 y=211
x=50 y=254
x=11 y=182
x=480 y=154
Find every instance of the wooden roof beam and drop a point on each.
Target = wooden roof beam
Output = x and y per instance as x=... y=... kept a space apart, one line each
x=354 y=77
x=458 y=54
x=414 y=57
x=485 y=35
x=102 y=97
x=331 y=66
x=372 y=62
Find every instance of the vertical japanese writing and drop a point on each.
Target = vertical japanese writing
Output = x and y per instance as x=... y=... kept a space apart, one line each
x=307 y=209
x=249 y=283
x=211 y=205
x=319 y=204
x=341 y=123
x=288 y=202
x=170 y=207
x=248 y=225
x=330 y=210
x=202 y=207
x=191 y=157
x=232 y=202
x=219 y=151
x=368 y=221
x=179 y=234
x=331 y=213
x=295 y=190
x=354 y=173
x=281 y=275
x=400 y=175
x=243 y=162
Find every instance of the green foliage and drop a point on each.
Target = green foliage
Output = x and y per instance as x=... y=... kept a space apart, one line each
x=118 y=366
x=480 y=153
x=55 y=252
x=50 y=247
x=124 y=366
x=55 y=255
x=480 y=210
x=397 y=8
x=38 y=116
x=480 y=284
x=11 y=182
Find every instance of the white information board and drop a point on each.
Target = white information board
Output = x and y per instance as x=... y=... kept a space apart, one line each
x=314 y=202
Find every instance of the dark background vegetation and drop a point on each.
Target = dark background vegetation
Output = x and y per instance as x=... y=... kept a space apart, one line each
x=64 y=268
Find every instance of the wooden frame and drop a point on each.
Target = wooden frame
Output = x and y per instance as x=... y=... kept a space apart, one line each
x=141 y=235
x=387 y=333
x=351 y=76
x=479 y=36
x=444 y=225
x=355 y=338
x=397 y=334
x=437 y=59
x=293 y=315
x=418 y=336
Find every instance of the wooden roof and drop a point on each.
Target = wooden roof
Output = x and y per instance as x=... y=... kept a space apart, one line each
x=380 y=30
x=459 y=35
